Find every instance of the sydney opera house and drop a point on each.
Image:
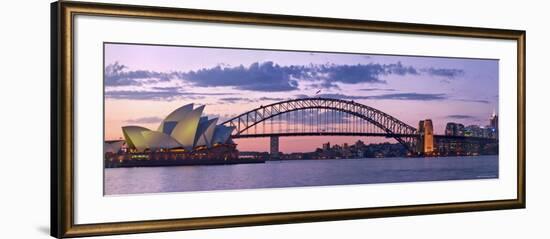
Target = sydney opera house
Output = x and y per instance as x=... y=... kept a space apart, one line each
x=182 y=136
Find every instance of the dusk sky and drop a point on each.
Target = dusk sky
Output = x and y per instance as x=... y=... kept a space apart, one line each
x=144 y=83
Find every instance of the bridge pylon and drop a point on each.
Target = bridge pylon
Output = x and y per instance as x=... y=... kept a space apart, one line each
x=274 y=147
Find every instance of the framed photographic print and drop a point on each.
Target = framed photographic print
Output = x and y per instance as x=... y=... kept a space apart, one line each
x=170 y=119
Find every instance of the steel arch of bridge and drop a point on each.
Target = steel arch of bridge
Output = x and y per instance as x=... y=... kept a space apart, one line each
x=402 y=132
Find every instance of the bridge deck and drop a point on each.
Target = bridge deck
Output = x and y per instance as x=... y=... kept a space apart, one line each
x=386 y=135
x=261 y=135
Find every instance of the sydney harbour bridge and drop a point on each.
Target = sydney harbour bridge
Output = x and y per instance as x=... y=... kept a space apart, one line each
x=337 y=117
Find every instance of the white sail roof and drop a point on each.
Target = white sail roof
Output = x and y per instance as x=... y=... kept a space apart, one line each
x=158 y=140
x=205 y=132
x=134 y=138
x=186 y=129
x=167 y=125
x=222 y=134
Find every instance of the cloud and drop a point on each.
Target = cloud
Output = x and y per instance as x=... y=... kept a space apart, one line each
x=116 y=75
x=410 y=96
x=141 y=95
x=474 y=101
x=256 y=77
x=268 y=76
x=399 y=69
x=324 y=85
x=158 y=93
x=339 y=96
x=447 y=73
x=272 y=98
x=167 y=88
x=376 y=89
x=271 y=77
x=221 y=118
x=261 y=76
x=396 y=96
x=144 y=120
x=353 y=74
x=460 y=117
x=233 y=100
x=350 y=74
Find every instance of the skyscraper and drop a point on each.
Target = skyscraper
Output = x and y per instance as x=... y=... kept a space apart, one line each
x=326 y=146
x=493 y=123
x=454 y=129
x=425 y=144
x=450 y=129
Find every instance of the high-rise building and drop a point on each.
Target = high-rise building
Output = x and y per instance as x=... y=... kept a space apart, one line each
x=326 y=146
x=454 y=129
x=459 y=130
x=450 y=129
x=473 y=131
x=426 y=142
x=494 y=121
x=493 y=126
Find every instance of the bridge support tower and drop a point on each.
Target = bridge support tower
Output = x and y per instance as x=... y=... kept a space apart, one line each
x=425 y=141
x=274 y=147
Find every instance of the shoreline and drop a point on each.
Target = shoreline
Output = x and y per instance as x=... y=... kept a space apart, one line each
x=169 y=163
x=206 y=162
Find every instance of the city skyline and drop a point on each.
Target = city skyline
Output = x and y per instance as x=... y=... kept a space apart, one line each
x=145 y=82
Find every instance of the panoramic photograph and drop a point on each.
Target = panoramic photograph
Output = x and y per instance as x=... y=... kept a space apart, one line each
x=195 y=118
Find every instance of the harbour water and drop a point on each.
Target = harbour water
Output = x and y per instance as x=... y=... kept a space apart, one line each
x=297 y=173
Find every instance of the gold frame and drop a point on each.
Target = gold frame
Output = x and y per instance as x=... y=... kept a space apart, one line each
x=62 y=210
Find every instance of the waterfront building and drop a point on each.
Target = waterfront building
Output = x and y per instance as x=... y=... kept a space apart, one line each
x=488 y=131
x=459 y=130
x=450 y=129
x=359 y=144
x=454 y=129
x=184 y=128
x=326 y=146
x=473 y=131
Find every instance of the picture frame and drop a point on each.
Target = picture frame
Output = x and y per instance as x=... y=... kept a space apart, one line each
x=64 y=122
